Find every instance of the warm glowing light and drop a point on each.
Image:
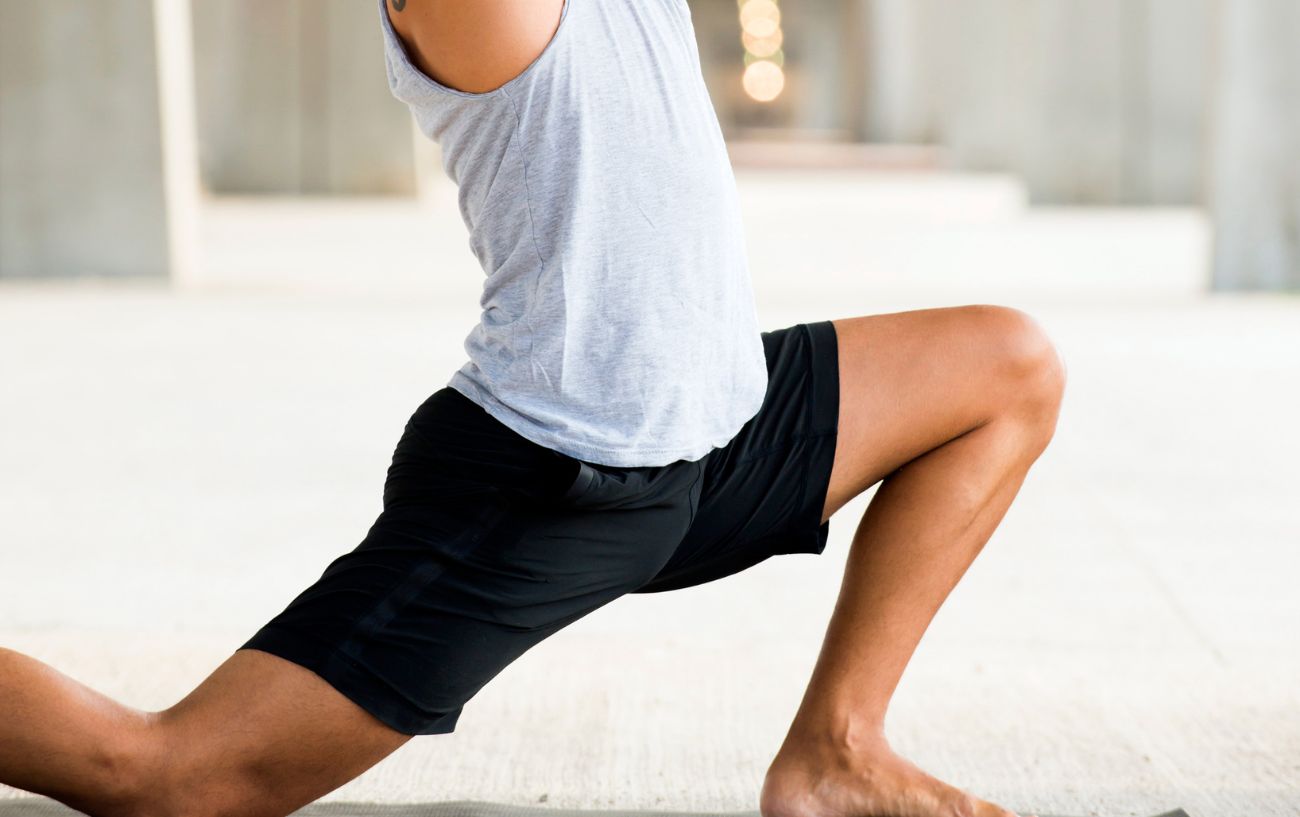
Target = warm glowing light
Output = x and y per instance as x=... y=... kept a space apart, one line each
x=760 y=32
x=760 y=18
x=762 y=46
x=763 y=80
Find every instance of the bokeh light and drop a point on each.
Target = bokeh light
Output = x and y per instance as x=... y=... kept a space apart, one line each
x=764 y=80
x=761 y=35
x=762 y=47
x=760 y=18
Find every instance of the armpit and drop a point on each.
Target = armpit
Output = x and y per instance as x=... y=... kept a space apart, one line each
x=474 y=47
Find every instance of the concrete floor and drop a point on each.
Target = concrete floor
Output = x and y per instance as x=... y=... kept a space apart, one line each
x=176 y=464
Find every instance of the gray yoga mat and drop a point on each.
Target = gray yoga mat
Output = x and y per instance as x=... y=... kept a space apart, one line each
x=41 y=807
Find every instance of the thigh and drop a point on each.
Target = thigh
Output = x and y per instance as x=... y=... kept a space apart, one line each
x=260 y=736
x=911 y=381
x=487 y=544
x=848 y=401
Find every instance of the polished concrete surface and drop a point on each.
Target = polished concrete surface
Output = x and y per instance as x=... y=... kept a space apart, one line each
x=176 y=464
x=42 y=807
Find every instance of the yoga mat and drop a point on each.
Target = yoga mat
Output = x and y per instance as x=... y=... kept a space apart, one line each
x=42 y=807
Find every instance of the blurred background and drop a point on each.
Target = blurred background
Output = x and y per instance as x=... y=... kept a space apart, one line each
x=230 y=268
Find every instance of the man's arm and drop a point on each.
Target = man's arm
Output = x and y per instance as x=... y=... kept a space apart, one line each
x=474 y=46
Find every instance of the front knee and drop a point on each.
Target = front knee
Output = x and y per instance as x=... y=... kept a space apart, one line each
x=163 y=777
x=213 y=794
x=1029 y=366
x=124 y=778
x=216 y=796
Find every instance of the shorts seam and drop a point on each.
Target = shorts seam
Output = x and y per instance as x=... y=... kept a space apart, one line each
x=695 y=505
x=756 y=455
x=413 y=584
x=424 y=438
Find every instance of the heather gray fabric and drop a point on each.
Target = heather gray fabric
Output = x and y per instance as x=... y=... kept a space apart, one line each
x=618 y=323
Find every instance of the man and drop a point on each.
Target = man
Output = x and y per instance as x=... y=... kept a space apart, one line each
x=621 y=426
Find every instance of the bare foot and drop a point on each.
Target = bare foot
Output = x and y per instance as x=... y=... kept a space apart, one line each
x=809 y=780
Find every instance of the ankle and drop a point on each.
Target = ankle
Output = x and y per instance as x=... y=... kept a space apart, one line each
x=843 y=735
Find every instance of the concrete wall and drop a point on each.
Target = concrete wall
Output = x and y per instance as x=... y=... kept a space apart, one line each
x=1166 y=102
x=823 y=95
x=93 y=172
x=1091 y=101
x=293 y=98
x=1134 y=102
x=1255 y=175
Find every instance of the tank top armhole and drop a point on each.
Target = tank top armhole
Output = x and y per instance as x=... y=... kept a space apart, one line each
x=401 y=62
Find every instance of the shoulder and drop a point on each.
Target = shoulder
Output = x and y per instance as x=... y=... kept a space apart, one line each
x=476 y=46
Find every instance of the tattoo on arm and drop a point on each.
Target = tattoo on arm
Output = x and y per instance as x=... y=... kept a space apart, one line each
x=398 y=5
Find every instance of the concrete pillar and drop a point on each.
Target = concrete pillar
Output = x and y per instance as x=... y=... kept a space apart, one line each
x=1170 y=117
x=896 y=104
x=293 y=99
x=96 y=139
x=823 y=63
x=1255 y=176
x=1097 y=101
x=1081 y=81
x=982 y=71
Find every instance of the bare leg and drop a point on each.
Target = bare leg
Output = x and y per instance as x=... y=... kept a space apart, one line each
x=950 y=407
x=59 y=737
x=260 y=737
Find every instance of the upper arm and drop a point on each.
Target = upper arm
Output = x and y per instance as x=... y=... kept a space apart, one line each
x=475 y=46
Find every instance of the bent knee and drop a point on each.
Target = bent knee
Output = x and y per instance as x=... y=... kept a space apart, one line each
x=167 y=782
x=214 y=795
x=1027 y=362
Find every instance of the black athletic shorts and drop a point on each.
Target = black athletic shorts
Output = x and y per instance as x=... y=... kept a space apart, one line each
x=488 y=542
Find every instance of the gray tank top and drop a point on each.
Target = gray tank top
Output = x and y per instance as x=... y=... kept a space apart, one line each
x=618 y=323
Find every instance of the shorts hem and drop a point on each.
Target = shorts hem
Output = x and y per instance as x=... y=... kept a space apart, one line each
x=824 y=349
x=351 y=679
